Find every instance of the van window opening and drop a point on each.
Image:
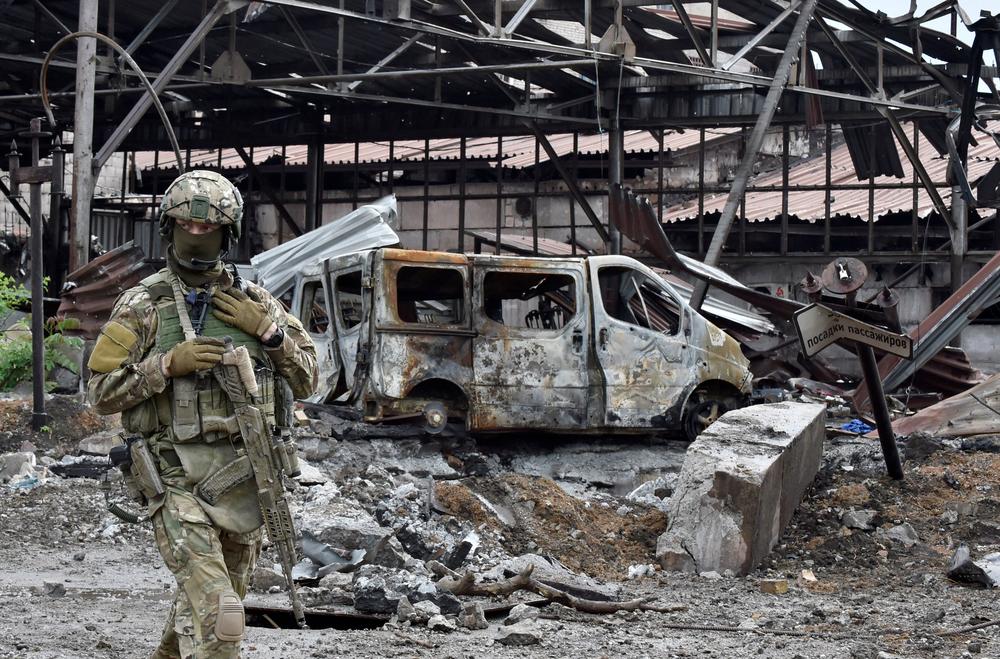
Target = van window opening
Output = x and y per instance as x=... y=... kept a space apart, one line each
x=430 y=296
x=315 y=316
x=533 y=300
x=632 y=297
x=347 y=293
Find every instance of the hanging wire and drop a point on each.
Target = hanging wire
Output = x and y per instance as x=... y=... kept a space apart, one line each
x=43 y=85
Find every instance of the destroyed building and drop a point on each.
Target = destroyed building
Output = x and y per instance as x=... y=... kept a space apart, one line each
x=540 y=245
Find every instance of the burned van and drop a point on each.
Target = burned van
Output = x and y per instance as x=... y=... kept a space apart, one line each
x=575 y=345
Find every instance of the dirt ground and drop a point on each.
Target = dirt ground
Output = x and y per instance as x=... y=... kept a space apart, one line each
x=77 y=583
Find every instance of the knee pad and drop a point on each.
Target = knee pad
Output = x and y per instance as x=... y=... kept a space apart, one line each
x=229 y=622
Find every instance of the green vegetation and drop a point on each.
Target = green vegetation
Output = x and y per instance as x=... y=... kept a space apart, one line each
x=15 y=342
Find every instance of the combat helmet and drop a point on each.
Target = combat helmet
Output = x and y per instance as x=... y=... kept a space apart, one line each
x=205 y=197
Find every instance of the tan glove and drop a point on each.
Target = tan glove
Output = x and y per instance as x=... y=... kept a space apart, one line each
x=199 y=354
x=236 y=309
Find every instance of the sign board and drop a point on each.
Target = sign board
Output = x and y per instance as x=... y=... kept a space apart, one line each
x=819 y=326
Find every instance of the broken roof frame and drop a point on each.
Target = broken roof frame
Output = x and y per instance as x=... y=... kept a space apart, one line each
x=631 y=26
x=519 y=69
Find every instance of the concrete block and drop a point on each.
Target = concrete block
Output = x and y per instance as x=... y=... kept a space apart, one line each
x=740 y=483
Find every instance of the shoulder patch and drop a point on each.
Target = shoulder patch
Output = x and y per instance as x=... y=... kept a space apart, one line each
x=112 y=347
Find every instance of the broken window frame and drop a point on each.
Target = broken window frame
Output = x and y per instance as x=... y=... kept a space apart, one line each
x=484 y=320
x=308 y=299
x=342 y=326
x=647 y=278
x=388 y=317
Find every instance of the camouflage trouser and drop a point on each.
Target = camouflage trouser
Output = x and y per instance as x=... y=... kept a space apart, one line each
x=207 y=562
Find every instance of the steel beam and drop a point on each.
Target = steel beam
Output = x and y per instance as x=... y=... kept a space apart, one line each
x=221 y=8
x=548 y=49
x=153 y=23
x=754 y=40
x=897 y=128
x=18 y=208
x=520 y=15
x=745 y=168
x=418 y=73
x=831 y=10
x=570 y=181
x=84 y=174
x=52 y=17
x=435 y=104
x=303 y=39
x=466 y=10
x=268 y=191
x=692 y=31
x=402 y=48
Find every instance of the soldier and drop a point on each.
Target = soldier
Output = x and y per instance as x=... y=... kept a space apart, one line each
x=153 y=363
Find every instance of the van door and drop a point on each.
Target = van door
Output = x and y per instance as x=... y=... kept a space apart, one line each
x=344 y=276
x=530 y=350
x=313 y=310
x=640 y=327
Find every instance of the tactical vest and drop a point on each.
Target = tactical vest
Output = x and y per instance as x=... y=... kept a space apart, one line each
x=194 y=408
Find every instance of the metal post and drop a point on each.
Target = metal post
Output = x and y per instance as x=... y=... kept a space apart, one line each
x=880 y=409
x=871 y=191
x=828 y=201
x=701 y=192
x=534 y=202
x=616 y=149
x=56 y=194
x=356 y=177
x=714 y=48
x=313 y=156
x=572 y=200
x=587 y=13
x=38 y=417
x=742 y=176
x=461 y=195
x=427 y=175
x=83 y=138
x=785 y=136
x=959 y=244
x=496 y=245
x=659 y=175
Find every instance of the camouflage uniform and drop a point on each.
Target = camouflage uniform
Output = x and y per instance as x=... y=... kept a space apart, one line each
x=210 y=548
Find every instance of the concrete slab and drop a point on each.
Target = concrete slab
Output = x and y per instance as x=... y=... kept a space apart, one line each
x=740 y=483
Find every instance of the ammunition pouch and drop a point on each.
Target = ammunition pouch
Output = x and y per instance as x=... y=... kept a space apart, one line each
x=229 y=476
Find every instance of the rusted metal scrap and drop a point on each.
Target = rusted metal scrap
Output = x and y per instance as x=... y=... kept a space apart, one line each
x=933 y=334
x=973 y=412
x=935 y=366
x=90 y=292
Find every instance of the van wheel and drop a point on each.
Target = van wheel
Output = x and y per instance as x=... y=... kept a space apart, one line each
x=701 y=412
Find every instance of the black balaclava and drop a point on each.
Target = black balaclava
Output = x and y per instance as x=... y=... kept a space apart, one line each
x=196 y=258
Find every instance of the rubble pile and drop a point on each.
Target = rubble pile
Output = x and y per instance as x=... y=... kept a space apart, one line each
x=441 y=538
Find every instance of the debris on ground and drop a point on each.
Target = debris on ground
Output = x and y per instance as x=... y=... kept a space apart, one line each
x=465 y=544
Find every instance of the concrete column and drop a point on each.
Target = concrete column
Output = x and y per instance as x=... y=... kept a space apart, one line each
x=83 y=138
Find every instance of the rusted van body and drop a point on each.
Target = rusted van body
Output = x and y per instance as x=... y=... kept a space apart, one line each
x=596 y=344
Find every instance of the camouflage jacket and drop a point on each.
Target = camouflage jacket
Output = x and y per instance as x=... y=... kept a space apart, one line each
x=137 y=377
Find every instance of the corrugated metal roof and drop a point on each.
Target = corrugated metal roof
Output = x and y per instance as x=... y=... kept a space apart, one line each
x=519 y=152
x=811 y=205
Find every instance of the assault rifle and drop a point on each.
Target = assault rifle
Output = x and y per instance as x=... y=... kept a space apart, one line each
x=236 y=376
